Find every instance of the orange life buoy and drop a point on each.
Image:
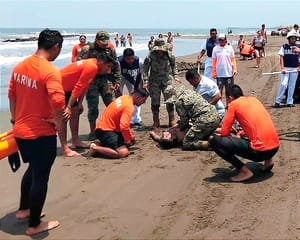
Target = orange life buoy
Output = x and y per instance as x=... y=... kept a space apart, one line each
x=8 y=144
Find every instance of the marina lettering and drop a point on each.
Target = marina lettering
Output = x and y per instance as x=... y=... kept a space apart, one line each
x=25 y=80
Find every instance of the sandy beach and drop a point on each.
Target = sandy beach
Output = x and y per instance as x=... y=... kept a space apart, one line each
x=171 y=194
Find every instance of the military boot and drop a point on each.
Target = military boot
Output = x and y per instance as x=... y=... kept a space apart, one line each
x=156 y=123
x=172 y=121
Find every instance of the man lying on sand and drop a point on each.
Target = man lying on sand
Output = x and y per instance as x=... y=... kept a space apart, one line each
x=192 y=108
x=173 y=137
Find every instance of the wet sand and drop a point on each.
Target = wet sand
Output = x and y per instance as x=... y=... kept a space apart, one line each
x=171 y=194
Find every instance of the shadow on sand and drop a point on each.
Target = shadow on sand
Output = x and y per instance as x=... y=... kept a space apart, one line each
x=10 y=225
x=223 y=174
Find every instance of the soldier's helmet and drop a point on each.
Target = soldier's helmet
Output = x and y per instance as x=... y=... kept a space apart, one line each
x=159 y=44
x=170 y=94
x=103 y=37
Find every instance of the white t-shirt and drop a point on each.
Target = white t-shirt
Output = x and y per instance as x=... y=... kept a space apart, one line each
x=223 y=56
x=207 y=88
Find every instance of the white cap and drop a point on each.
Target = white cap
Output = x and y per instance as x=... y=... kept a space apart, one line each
x=222 y=36
x=292 y=33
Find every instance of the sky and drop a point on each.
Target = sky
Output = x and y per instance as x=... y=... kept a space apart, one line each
x=147 y=14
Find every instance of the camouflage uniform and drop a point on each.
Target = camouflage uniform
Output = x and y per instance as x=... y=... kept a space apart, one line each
x=156 y=74
x=191 y=106
x=103 y=84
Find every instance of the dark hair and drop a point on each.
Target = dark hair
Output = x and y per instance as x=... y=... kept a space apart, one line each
x=191 y=74
x=234 y=91
x=105 y=58
x=143 y=92
x=82 y=35
x=48 y=38
x=212 y=30
x=167 y=144
x=128 y=52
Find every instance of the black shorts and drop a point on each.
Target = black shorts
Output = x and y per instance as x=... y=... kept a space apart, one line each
x=258 y=48
x=67 y=97
x=110 y=139
x=225 y=81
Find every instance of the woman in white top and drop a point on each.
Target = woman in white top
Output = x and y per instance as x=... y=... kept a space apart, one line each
x=258 y=44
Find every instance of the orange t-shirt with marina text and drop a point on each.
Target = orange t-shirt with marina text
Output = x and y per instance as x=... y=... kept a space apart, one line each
x=77 y=76
x=116 y=117
x=35 y=86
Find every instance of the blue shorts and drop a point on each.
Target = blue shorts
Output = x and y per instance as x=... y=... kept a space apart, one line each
x=110 y=139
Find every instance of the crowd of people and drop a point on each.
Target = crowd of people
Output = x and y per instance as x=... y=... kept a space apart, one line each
x=120 y=41
x=203 y=123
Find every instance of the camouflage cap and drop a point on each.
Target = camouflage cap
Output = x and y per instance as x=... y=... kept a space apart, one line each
x=103 y=37
x=159 y=44
x=170 y=94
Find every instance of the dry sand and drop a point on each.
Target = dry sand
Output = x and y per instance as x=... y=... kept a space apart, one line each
x=171 y=194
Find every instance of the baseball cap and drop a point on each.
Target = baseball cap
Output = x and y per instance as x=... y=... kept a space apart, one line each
x=103 y=37
x=222 y=36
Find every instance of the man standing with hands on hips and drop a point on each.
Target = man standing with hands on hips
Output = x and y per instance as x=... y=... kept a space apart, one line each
x=37 y=102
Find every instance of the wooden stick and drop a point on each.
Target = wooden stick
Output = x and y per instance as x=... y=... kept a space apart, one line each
x=271 y=73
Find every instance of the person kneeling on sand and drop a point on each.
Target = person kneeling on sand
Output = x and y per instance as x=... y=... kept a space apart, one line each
x=113 y=127
x=76 y=78
x=258 y=140
x=192 y=108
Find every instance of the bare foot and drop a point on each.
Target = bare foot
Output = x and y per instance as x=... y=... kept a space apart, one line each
x=71 y=153
x=268 y=165
x=79 y=145
x=91 y=151
x=244 y=174
x=24 y=214
x=42 y=227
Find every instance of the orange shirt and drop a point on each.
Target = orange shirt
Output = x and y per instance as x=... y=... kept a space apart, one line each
x=255 y=122
x=116 y=117
x=75 y=51
x=77 y=76
x=35 y=86
x=111 y=45
x=247 y=49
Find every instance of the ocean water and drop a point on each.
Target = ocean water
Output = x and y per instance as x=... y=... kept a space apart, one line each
x=13 y=52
